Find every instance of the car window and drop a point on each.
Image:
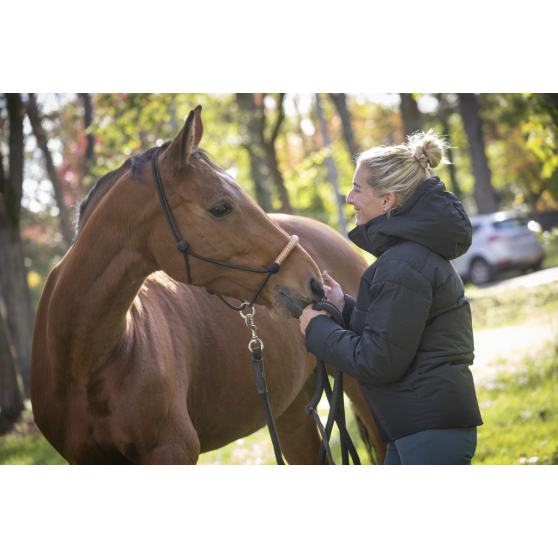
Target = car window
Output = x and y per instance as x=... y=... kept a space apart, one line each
x=512 y=223
x=475 y=228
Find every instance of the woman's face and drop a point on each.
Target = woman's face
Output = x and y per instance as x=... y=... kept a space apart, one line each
x=363 y=198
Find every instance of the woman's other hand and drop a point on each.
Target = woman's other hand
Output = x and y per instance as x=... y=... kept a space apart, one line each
x=307 y=314
x=333 y=291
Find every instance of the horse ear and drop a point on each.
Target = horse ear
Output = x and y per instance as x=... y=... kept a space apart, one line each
x=198 y=125
x=180 y=148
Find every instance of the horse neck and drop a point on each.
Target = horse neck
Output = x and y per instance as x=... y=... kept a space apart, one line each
x=99 y=280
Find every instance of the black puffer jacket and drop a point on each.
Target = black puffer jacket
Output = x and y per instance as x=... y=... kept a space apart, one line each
x=409 y=337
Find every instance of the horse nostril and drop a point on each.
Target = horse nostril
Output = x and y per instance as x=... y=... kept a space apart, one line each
x=316 y=289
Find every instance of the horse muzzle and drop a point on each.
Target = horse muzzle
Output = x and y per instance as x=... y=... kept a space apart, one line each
x=289 y=302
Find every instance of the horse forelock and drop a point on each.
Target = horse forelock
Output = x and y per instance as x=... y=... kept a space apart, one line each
x=135 y=166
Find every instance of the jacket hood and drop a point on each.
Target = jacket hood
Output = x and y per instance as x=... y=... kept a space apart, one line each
x=432 y=216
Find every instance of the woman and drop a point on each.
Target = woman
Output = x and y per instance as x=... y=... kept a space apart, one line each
x=408 y=338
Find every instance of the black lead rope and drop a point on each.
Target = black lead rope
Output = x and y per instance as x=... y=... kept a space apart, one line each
x=336 y=403
x=334 y=397
x=259 y=374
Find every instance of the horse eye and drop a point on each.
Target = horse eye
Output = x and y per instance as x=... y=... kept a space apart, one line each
x=220 y=210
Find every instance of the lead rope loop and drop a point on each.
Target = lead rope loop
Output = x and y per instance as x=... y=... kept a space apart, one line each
x=335 y=399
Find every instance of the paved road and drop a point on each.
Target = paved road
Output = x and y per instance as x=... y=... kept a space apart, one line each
x=506 y=347
x=531 y=280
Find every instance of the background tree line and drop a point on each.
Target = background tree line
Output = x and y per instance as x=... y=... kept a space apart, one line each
x=293 y=153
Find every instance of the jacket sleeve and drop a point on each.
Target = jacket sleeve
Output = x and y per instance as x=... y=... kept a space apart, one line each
x=348 y=310
x=401 y=300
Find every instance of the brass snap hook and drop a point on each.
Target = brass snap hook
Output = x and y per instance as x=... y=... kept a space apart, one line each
x=242 y=306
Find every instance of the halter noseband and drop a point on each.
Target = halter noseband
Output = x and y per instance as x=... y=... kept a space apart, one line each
x=183 y=247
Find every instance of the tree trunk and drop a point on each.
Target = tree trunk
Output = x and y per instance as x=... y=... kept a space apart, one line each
x=340 y=101
x=412 y=117
x=42 y=141
x=13 y=278
x=278 y=179
x=485 y=195
x=331 y=169
x=272 y=157
x=86 y=178
x=13 y=275
x=256 y=150
x=263 y=158
x=443 y=115
x=533 y=201
x=11 y=403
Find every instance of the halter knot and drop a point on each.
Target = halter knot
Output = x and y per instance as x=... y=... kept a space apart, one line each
x=273 y=267
x=182 y=246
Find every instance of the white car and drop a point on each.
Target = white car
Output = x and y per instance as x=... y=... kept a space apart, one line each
x=501 y=241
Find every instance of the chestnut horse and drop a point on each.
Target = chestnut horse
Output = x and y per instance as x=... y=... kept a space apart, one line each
x=131 y=364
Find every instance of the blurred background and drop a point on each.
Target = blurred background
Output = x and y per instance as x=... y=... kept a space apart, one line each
x=294 y=153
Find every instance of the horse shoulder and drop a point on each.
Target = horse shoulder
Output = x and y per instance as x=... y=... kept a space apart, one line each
x=159 y=333
x=42 y=383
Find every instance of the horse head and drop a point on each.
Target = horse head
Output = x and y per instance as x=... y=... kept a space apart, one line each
x=220 y=221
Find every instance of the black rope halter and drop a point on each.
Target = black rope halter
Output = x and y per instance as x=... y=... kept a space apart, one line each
x=183 y=247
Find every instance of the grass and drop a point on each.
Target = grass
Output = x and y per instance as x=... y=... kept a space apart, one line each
x=549 y=240
x=495 y=308
x=25 y=445
x=520 y=414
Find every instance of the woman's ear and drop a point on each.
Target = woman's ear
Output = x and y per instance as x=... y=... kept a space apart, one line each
x=389 y=202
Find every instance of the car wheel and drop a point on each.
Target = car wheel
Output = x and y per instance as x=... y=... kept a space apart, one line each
x=480 y=272
x=537 y=266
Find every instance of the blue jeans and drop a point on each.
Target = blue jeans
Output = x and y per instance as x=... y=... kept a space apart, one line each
x=448 y=446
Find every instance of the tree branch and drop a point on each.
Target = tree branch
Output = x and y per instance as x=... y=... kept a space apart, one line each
x=262 y=119
x=36 y=123
x=280 y=118
x=339 y=100
x=2 y=175
x=85 y=98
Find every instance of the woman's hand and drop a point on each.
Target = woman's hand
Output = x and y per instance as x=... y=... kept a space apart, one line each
x=333 y=291
x=307 y=315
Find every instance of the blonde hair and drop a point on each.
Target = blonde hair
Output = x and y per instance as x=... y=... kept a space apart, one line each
x=399 y=169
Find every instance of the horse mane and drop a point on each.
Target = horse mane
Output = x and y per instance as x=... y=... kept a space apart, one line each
x=134 y=165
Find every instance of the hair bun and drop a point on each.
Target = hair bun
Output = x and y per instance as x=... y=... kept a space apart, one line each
x=400 y=169
x=431 y=145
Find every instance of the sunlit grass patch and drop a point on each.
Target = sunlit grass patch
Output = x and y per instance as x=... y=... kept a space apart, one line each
x=520 y=414
x=25 y=445
x=550 y=242
x=255 y=449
